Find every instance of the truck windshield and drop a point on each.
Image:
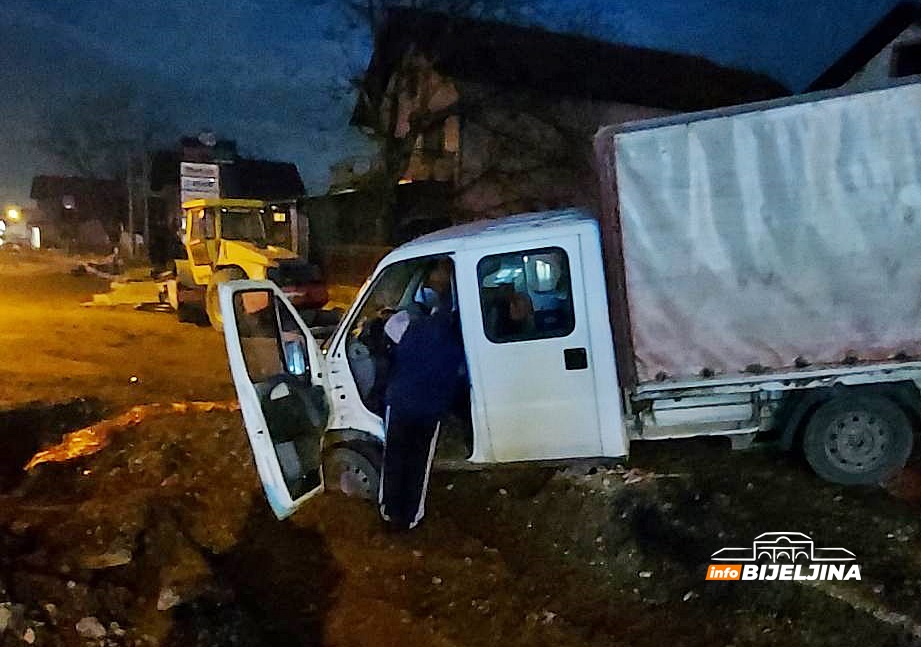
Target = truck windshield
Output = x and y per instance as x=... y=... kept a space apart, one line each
x=243 y=224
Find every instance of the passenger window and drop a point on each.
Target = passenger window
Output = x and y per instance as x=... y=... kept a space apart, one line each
x=271 y=341
x=526 y=295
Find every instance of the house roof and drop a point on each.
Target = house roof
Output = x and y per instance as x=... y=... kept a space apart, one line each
x=872 y=43
x=557 y=64
x=261 y=179
x=54 y=186
x=244 y=178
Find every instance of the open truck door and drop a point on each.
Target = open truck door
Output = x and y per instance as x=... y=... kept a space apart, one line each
x=277 y=370
x=201 y=243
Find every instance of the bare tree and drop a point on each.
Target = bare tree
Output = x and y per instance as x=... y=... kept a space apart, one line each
x=95 y=135
x=107 y=136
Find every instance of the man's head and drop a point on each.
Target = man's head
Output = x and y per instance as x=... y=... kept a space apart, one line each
x=439 y=278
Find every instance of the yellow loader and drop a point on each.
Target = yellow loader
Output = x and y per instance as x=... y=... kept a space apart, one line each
x=225 y=240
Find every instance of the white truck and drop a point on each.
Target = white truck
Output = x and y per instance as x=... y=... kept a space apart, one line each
x=754 y=270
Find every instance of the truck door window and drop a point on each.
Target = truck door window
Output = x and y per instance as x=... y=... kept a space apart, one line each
x=258 y=328
x=271 y=341
x=526 y=295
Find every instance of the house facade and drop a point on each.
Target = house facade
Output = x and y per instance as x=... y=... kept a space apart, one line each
x=504 y=115
x=890 y=50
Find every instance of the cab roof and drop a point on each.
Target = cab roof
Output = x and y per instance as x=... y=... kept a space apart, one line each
x=483 y=233
x=223 y=202
x=520 y=223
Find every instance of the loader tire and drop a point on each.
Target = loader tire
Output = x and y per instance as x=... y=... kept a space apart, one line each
x=212 y=303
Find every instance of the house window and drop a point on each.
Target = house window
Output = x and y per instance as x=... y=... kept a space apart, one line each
x=452 y=134
x=906 y=59
x=440 y=138
x=432 y=140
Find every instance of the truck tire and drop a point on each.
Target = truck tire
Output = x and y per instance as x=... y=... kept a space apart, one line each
x=858 y=439
x=352 y=472
x=212 y=304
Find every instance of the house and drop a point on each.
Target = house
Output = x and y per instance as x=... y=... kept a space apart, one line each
x=81 y=211
x=504 y=115
x=891 y=49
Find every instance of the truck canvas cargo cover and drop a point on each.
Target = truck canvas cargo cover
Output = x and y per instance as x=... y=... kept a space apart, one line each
x=757 y=236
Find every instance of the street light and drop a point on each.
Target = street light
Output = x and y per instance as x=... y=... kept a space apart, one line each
x=12 y=213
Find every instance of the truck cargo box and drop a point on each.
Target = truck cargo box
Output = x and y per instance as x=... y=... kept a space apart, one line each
x=767 y=236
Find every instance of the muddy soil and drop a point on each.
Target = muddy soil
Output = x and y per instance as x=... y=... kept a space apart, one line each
x=164 y=536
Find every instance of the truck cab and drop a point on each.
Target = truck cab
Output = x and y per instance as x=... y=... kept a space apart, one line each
x=529 y=296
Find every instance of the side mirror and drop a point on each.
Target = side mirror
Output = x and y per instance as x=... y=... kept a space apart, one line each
x=295 y=358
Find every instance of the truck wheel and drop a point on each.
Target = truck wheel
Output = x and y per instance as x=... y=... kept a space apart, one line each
x=858 y=439
x=349 y=471
x=212 y=304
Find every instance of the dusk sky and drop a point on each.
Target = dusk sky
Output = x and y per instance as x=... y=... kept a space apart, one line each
x=263 y=72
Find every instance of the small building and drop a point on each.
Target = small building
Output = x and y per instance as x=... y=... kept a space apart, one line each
x=504 y=115
x=79 y=212
x=891 y=49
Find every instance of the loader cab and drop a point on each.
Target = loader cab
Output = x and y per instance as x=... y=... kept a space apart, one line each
x=208 y=223
x=528 y=297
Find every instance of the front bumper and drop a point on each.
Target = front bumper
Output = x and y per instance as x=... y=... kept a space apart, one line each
x=307 y=296
x=301 y=282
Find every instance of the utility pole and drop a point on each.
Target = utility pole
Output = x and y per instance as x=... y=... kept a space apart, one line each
x=145 y=197
x=129 y=181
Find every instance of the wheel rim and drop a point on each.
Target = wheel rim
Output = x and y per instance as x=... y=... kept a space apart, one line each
x=351 y=478
x=354 y=482
x=856 y=441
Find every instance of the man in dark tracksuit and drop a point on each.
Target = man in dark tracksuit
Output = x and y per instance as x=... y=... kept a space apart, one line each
x=424 y=378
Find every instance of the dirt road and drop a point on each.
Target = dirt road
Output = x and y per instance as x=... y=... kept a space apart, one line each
x=164 y=538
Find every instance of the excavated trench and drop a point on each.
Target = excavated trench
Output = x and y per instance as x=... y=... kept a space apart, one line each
x=26 y=429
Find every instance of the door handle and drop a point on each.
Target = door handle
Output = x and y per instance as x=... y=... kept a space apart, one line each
x=575 y=359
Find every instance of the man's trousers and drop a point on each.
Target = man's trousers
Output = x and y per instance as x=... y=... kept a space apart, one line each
x=409 y=448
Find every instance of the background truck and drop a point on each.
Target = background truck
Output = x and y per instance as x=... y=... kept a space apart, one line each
x=754 y=271
x=225 y=239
